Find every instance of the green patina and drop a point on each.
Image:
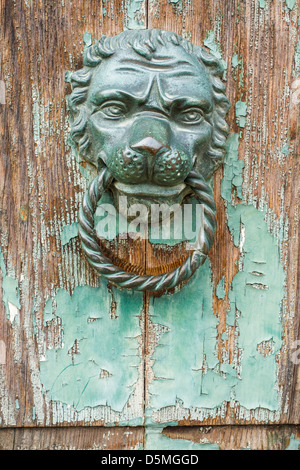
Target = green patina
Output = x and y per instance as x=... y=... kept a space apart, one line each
x=10 y=290
x=155 y=439
x=97 y=364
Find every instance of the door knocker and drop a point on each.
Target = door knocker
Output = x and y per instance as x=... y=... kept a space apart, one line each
x=148 y=111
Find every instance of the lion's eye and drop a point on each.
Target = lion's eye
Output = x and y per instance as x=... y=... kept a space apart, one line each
x=114 y=110
x=191 y=116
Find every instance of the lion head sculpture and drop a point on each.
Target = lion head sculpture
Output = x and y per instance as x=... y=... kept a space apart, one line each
x=149 y=107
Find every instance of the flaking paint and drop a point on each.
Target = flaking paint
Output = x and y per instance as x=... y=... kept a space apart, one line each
x=11 y=292
x=187 y=372
x=155 y=439
x=99 y=358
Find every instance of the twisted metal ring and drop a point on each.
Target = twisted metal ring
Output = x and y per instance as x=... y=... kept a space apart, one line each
x=115 y=274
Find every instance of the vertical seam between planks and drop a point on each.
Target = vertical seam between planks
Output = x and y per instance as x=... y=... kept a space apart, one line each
x=147 y=13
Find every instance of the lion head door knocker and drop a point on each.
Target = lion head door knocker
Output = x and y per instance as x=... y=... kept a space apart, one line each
x=148 y=112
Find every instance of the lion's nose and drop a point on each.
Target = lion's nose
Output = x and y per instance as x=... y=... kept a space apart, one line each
x=149 y=144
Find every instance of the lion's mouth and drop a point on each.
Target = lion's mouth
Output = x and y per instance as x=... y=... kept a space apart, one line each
x=149 y=190
x=148 y=194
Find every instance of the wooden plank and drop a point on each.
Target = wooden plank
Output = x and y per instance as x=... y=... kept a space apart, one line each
x=171 y=438
x=258 y=43
x=42 y=185
x=237 y=437
x=72 y=438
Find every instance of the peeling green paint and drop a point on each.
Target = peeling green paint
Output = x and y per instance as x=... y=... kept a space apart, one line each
x=98 y=362
x=87 y=39
x=285 y=149
x=256 y=294
x=220 y=291
x=199 y=380
x=241 y=113
x=11 y=292
x=214 y=47
x=235 y=60
x=156 y=440
x=233 y=168
x=69 y=231
x=294 y=443
x=186 y=366
x=297 y=56
x=238 y=65
x=290 y=4
x=133 y=8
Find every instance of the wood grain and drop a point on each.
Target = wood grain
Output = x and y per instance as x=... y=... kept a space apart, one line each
x=225 y=437
x=238 y=437
x=41 y=188
x=72 y=438
x=265 y=39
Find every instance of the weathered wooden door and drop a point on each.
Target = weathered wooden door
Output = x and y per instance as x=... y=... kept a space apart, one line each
x=214 y=365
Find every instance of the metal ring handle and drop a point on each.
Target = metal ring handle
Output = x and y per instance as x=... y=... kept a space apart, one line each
x=115 y=274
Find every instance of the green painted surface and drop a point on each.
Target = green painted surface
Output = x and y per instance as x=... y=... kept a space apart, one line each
x=220 y=291
x=132 y=8
x=241 y=113
x=156 y=440
x=10 y=290
x=215 y=49
x=68 y=232
x=102 y=368
x=186 y=367
x=235 y=60
x=294 y=443
x=257 y=292
x=187 y=348
x=285 y=149
x=290 y=4
x=233 y=168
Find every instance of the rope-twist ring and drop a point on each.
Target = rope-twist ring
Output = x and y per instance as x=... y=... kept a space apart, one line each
x=115 y=274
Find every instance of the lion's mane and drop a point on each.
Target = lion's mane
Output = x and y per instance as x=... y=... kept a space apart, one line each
x=145 y=43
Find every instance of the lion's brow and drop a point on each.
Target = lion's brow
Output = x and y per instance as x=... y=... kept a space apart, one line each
x=154 y=65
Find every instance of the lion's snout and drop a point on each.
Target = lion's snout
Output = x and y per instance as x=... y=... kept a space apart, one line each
x=150 y=155
x=163 y=166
